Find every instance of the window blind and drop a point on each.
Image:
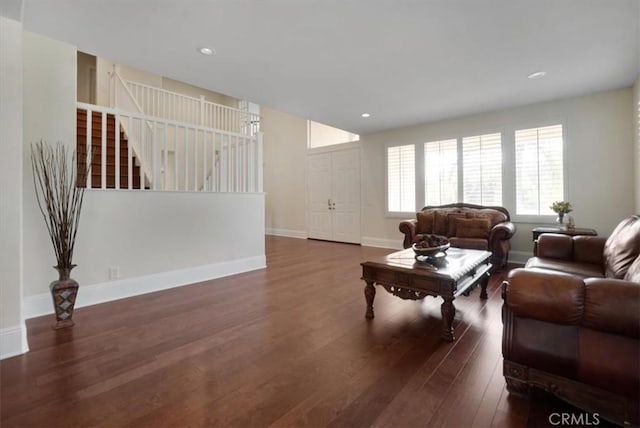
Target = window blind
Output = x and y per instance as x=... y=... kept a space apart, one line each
x=482 y=169
x=539 y=169
x=401 y=179
x=441 y=172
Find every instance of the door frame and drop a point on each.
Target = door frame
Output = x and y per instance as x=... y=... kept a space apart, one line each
x=331 y=149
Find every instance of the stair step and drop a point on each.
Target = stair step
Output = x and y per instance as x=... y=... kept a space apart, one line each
x=110 y=153
x=97 y=151
x=81 y=133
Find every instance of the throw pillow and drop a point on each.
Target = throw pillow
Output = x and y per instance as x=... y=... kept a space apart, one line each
x=472 y=228
x=622 y=247
x=633 y=274
x=440 y=226
x=425 y=221
x=453 y=222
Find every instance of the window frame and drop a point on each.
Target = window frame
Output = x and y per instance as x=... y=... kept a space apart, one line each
x=508 y=137
x=399 y=214
x=533 y=218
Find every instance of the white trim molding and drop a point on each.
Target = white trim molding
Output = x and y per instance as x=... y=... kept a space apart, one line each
x=94 y=294
x=300 y=234
x=394 y=244
x=13 y=341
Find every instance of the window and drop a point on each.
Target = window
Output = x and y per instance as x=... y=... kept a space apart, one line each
x=539 y=169
x=441 y=172
x=401 y=179
x=482 y=169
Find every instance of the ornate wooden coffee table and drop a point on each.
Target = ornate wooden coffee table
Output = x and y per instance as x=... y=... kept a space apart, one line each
x=448 y=277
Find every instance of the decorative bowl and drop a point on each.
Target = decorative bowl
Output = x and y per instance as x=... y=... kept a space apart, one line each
x=430 y=251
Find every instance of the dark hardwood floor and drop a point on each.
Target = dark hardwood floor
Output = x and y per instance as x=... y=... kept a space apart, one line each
x=287 y=346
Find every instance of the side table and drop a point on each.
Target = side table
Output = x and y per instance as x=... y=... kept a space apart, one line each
x=537 y=231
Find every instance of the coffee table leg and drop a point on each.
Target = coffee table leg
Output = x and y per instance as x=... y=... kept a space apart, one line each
x=369 y=294
x=448 y=312
x=483 y=287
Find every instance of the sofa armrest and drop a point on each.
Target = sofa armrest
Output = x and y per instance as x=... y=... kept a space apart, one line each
x=502 y=231
x=409 y=228
x=553 y=297
x=555 y=246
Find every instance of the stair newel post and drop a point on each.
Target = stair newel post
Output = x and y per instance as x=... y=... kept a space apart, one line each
x=103 y=152
x=165 y=159
x=89 y=148
x=259 y=161
x=154 y=155
x=117 y=152
x=143 y=149
x=129 y=156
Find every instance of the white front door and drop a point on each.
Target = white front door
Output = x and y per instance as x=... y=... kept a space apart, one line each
x=319 y=195
x=334 y=196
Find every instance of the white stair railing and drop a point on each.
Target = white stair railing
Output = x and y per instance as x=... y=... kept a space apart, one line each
x=179 y=156
x=197 y=111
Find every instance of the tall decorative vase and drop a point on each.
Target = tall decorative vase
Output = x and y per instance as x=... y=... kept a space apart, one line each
x=64 y=292
x=560 y=221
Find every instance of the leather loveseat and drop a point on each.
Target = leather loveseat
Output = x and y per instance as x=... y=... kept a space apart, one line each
x=571 y=322
x=467 y=226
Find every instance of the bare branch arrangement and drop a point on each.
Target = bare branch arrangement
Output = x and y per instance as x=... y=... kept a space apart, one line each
x=59 y=200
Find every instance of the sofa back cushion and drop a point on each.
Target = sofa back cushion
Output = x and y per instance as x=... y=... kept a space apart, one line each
x=452 y=221
x=472 y=228
x=445 y=219
x=622 y=247
x=494 y=216
x=425 y=221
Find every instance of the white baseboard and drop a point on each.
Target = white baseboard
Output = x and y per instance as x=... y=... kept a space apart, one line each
x=301 y=234
x=41 y=304
x=394 y=244
x=13 y=341
x=519 y=257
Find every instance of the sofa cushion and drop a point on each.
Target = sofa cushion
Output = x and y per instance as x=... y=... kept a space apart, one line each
x=622 y=247
x=425 y=221
x=612 y=306
x=440 y=223
x=633 y=274
x=494 y=216
x=472 y=227
x=469 y=243
x=581 y=269
x=452 y=220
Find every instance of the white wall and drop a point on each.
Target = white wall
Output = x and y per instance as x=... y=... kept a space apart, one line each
x=285 y=156
x=143 y=234
x=13 y=339
x=599 y=159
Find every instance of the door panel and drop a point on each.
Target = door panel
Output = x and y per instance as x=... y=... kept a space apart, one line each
x=319 y=193
x=345 y=193
x=333 y=201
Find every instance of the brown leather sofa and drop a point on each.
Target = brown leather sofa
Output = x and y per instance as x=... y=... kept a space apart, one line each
x=467 y=226
x=571 y=322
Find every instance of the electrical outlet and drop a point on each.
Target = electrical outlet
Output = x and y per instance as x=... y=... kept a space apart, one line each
x=114 y=272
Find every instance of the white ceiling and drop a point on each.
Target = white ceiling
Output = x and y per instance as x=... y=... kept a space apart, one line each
x=403 y=61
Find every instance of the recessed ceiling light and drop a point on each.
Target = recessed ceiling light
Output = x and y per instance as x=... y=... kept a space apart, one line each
x=365 y=115
x=206 y=51
x=537 y=75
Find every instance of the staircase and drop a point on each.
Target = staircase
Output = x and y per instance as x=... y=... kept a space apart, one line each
x=96 y=151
